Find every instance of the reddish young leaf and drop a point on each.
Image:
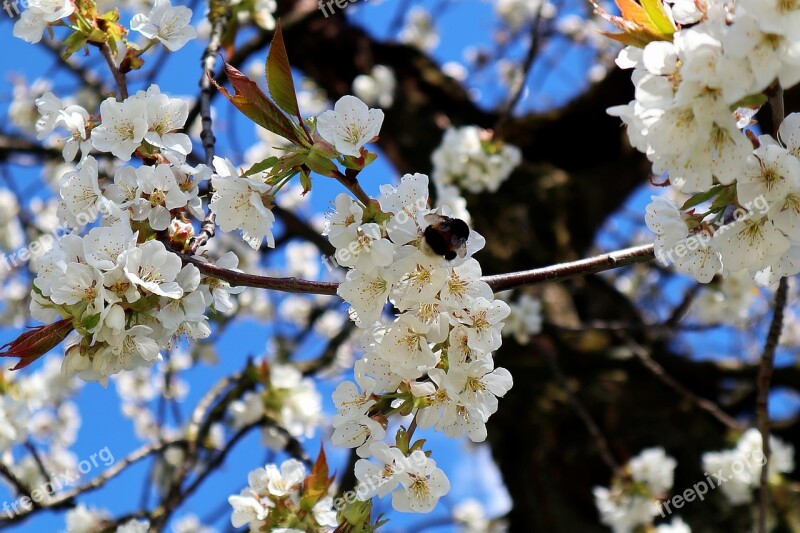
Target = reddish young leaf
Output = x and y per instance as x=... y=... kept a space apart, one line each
x=36 y=342
x=251 y=101
x=317 y=483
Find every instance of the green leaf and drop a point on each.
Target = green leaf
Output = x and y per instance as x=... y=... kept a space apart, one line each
x=701 y=197
x=305 y=181
x=251 y=101
x=261 y=166
x=279 y=75
x=751 y=100
x=725 y=198
x=90 y=321
x=319 y=163
x=657 y=15
x=73 y=43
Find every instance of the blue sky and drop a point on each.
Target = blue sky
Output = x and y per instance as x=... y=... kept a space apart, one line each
x=103 y=426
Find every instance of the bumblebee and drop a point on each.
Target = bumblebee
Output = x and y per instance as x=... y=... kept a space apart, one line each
x=446 y=236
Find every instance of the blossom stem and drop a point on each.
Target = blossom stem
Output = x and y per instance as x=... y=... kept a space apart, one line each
x=351 y=183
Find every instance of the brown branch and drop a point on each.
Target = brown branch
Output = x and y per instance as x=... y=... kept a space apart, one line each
x=562 y=271
x=762 y=401
x=239 y=279
x=527 y=65
x=219 y=15
x=775 y=94
x=499 y=282
x=351 y=183
x=119 y=76
x=15 y=482
x=86 y=76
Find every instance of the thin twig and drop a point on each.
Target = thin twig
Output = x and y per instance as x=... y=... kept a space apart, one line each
x=527 y=64
x=12 y=478
x=64 y=499
x=119 y=76
x=683 y=307
x=658 y=371
x=40 y=465
x=350 y=182
x=219 y=15
x=762 y=401
x=86 y=76
x=591 y=426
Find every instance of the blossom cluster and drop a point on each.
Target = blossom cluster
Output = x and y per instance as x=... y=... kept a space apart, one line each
x=525 y=319
x=171 y=26
x=376 y=88
x=435 y=355
x=127 y=294
x=39 y=408
x=126 y=299
x=272 y=501
x=634 y=496
x=741 y=466
x=471 y=159
x=743 y=210
x=292 y=401
x=82 y=519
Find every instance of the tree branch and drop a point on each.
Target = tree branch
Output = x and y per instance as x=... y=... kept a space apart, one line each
x=775 y=95
x=119 y=76
x=219 y=15
x=762 y=402
x=498 y=282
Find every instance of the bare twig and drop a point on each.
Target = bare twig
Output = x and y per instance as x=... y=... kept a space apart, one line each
x=350 y=181
x=119 y=76
x=40 y=465
x=219 y=15
x=13 y=480
x=65 y=498
x=87 y=77
x=658 y=371
x=591 y=426
x=683 y=307
x=527 y=64
x=239 y=279
x=762 y=401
